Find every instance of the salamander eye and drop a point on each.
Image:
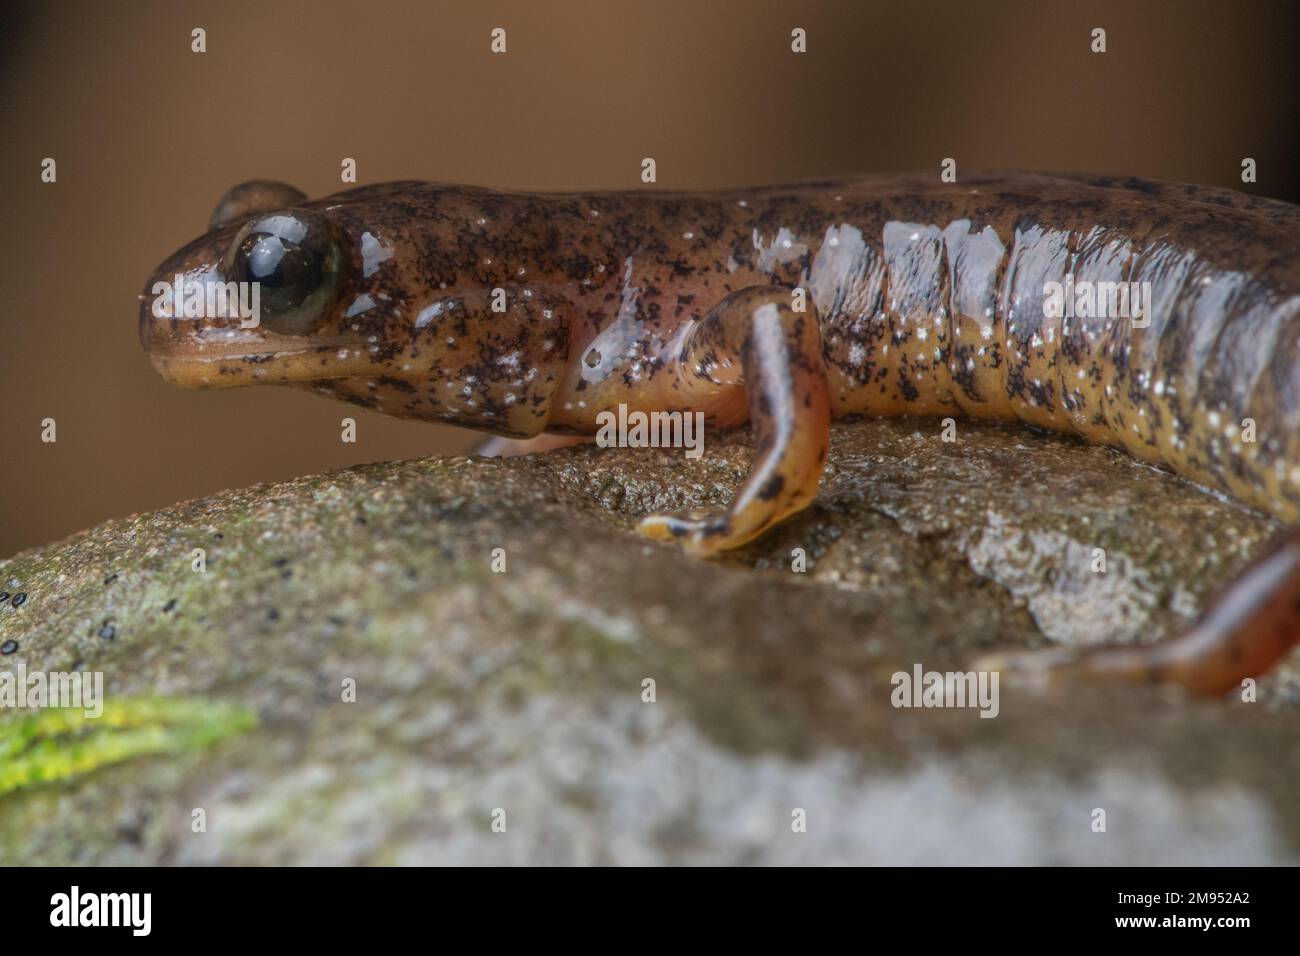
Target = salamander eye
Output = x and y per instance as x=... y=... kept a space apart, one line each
x=295 y=260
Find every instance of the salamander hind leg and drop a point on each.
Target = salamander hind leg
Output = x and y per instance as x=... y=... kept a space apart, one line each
x=1244 y=632
x=778 y=352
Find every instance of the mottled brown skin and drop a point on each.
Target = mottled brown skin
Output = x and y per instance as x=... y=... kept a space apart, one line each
x=789 y=306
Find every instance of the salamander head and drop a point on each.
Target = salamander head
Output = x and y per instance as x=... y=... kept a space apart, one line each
x=257 y=298
x=379 y=296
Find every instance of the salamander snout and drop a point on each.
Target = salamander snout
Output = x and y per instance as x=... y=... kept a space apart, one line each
x=247 y=302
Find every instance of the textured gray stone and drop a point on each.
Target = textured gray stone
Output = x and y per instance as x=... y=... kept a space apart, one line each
x=522 y=690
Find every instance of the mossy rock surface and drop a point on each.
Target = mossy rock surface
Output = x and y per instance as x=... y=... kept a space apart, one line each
x=522 y=690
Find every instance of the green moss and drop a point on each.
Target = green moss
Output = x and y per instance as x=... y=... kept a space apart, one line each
x=60 y=744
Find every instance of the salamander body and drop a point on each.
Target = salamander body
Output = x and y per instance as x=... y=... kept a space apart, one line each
x=1161 y=319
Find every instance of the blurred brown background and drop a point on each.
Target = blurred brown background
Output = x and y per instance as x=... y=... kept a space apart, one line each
x=148 y=135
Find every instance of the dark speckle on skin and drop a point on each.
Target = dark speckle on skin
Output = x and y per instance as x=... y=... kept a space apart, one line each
x=8 y=647
x=108 y=631
x=772 y=488
x=18 y=599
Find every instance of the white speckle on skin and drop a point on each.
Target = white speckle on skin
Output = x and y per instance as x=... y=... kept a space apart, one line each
x=373 y=253
x=362 y=303
x=782 y=250
x=429 y=313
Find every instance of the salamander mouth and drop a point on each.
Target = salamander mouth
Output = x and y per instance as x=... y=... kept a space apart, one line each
x=218 y=353
x=207 y=353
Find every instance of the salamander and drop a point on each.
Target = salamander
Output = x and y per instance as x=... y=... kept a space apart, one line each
x=784 y=308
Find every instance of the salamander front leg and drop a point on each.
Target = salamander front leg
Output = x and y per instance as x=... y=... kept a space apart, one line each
x=779 y=355
x=1248 y=628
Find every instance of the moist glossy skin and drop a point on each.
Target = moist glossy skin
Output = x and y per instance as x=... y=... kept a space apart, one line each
x=919 y=298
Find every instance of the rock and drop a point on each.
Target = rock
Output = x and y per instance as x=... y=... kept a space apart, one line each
x=478 y=692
